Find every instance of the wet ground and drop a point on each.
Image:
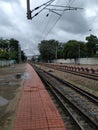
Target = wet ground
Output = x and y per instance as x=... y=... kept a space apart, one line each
x=11 y=80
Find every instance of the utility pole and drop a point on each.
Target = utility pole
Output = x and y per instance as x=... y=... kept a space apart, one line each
x=79 y=54
x=19 y=53
x=56 y=53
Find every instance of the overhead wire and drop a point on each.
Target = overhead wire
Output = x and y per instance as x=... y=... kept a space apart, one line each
x=41 y=5
x=47 y=24
x=48 y=3
x=72 y=2
x=69 y=2
x=56 y=21
x=52 y=26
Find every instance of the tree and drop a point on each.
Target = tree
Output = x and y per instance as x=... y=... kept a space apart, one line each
x=3 y=49
x=13 y=47
x=60 y=48
x=91 y=45
x=74 y=49
x=10 y=50
x=49 y=49
x=3 y=54
x=23 y=57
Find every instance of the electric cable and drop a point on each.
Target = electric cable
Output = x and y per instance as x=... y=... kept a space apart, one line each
x=70 y=1
x=52 y=26
x=41 y=5
x=55 y=23
x=43 y=8
x=47 y=24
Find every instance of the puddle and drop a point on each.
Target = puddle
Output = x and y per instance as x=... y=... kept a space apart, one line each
x=26 y=75
x=1 y=79
x=7 y=78
x=9 y=83
x=18 y=76
x=13 y=83
x=3 y=101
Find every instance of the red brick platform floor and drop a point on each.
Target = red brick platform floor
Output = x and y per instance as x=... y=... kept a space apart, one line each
x=36 y=110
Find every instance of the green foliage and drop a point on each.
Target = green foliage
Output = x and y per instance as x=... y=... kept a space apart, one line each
x=96 y=55
x=91 y=45
x=74 y=49
x=3 y=54
x=49 y=50
x=9 y=50
x=23 y=57
x=12 y=54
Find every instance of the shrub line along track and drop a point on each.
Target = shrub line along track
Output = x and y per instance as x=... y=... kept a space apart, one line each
x=86 y=75
x=88 y=119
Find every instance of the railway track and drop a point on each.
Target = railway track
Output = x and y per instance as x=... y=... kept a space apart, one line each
x=82 y=74
x=82 y=107
x=86 y=75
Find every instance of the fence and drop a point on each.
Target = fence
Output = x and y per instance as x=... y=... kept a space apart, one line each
x=6 y=62
x=89 y=61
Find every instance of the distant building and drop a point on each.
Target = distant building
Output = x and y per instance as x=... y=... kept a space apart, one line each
x=35 y=58
x=29 y=57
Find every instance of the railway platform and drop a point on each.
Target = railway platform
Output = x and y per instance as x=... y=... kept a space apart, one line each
x=36 y=110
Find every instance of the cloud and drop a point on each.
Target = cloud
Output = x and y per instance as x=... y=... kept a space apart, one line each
x=72 y=25
x=74 y=22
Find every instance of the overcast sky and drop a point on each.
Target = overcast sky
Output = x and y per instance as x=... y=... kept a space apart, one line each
x=72 y=25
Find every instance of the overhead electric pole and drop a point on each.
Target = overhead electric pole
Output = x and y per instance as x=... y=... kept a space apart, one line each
x=57 y=9
x=28 y=10
x=43 y=6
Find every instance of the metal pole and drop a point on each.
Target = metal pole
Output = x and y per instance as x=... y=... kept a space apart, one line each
x=79 y=54
x=28 y=10
x=79 y=50
x=19 y=54
x=56 y=53
x=28 y=6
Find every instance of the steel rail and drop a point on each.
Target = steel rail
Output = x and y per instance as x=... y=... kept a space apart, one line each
x=90 y=96
x=93 y=98
x=64 y=107
x=90 y=76
x=92 y=123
